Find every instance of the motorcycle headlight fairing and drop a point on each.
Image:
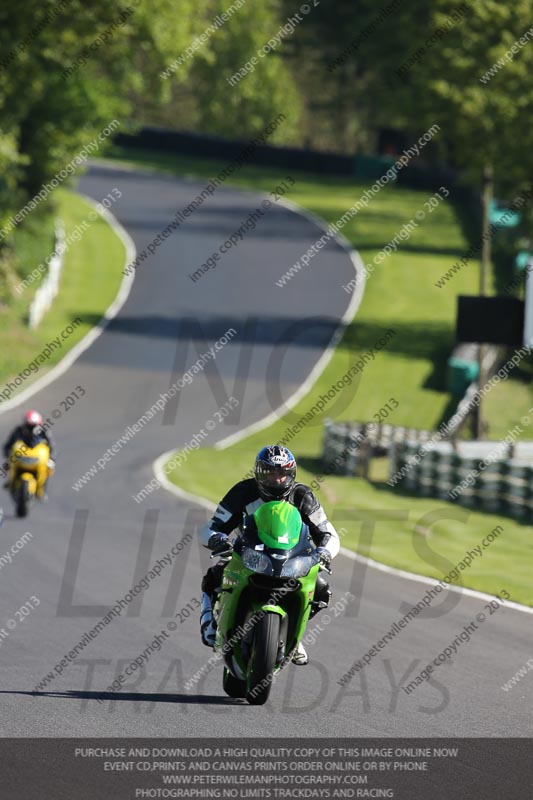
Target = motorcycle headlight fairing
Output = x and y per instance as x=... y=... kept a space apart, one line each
x=28 y=461
x=256 y=561
x=298 y=567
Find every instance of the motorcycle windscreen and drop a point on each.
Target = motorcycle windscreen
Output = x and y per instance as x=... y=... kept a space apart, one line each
x=279 y=525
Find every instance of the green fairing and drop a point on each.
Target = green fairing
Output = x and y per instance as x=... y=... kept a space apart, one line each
x=235 y=580
x=278 y=524
x=279 y=527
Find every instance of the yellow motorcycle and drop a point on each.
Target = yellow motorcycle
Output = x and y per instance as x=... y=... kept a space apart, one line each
x=28 y=474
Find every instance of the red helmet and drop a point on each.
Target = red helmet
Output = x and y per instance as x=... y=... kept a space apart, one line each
x=32 y=418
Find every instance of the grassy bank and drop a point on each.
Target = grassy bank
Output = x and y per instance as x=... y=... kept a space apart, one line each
x=91 y=276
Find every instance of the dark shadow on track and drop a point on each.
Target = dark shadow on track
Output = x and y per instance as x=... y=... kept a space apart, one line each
x=298 y=332
x=190 y=699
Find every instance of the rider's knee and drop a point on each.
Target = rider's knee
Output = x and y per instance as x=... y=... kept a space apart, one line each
x=212 y=579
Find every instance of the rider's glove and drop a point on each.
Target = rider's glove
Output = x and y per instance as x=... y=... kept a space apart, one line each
x=219 y=543
x=324 y=556
x=51 y=463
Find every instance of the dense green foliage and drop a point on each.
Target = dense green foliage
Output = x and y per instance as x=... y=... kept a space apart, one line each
x=410 y=65
x=339 y=71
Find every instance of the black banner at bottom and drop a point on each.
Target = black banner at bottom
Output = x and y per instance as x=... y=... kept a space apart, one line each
x=296 y=769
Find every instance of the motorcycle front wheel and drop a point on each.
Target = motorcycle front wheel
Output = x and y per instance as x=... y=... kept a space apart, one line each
x=263 y=659
x=23 y=499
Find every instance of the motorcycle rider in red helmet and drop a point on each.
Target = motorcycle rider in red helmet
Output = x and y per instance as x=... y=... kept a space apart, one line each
x=31 y=432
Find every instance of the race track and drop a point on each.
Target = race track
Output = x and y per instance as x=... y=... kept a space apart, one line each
x=90 y=546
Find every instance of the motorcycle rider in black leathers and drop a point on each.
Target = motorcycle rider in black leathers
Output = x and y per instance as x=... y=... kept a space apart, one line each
x=31 y=432
x=275 y=474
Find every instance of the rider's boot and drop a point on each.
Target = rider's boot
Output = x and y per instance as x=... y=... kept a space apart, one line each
x=300 y=657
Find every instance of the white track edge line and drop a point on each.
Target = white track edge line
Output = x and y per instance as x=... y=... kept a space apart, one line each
x=412 y=576
x=125 y=287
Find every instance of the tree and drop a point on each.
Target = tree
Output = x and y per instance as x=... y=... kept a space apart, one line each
x=69 y=68
x=245 y=106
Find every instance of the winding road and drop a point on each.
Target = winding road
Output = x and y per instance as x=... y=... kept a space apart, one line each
x=91 y=545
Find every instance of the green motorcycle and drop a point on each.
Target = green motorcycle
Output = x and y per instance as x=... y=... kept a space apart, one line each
x=265 y=599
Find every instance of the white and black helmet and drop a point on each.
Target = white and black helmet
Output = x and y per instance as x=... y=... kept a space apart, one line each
x=275 y=472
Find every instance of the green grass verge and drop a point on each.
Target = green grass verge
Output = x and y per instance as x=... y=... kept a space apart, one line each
x=92 y=273
x=507 y=403
x=401 y=295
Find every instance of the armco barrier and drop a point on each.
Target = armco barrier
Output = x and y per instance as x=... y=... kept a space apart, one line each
x=462 y=475
x=423 y=176
x=202 y=146
x=348 y=445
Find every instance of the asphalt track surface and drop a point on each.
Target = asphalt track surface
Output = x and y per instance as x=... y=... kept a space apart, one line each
x=138 y=356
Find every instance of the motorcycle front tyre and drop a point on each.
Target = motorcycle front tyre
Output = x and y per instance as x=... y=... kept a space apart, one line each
x=263 y=659
x=23 y=500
